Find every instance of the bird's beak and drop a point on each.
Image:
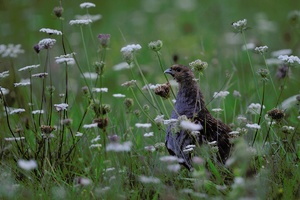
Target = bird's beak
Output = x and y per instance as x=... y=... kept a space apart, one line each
x=169 y=71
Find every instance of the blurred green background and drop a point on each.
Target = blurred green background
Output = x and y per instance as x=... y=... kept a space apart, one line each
x=190 y=29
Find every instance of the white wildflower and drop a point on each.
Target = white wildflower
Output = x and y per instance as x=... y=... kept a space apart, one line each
x=159 y=119
x=198 y=65
x=4 y=74
x=150 y=134
x=122 y=65
x=37 y=112
x=254 y=108
x=46 y=43
x=128 y=51
x=289 y=59
x=119 y=95
x=170 y=121
x=3 y=91
x=187 y=125
x=96 y=139
x=80 y=22
x=40 y=75
x=168 y=159
x=81 y=181
x=275 y=54
x=131 y=48
x=217 y=110
x=287 y=129
x=248 y=46
x=240 y=25
x=27 y=164
x=88 y=126
x=173 y=167
x=14 y=138
x=90 y=75
x=100 y=90
x=253 y=126
x=10 y=50
x=16 y=111
x=61 y=106
x=68 y=59
x=117 y=147
x=273 y=61
x=261 y=49
x=212 y=143
x=87 y=5
x=151 y=179
x=88 y=16
x=30 y=67
x=51 y=31
x=23 y=82
x=150 y=148
x=78 y=134
x=221 y=94
x=129 y=83
x=95 y=146
x=145 y=125
x=234 y=133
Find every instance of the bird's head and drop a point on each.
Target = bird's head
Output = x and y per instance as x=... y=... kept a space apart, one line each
x=181 y=74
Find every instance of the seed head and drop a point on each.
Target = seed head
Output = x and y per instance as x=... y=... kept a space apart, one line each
x=163 y=90
x=155 y=45
x=104 y=40
x=47 y=129
x=101 y=122
x=58 y=11
x=128 y=102
x=276 y=114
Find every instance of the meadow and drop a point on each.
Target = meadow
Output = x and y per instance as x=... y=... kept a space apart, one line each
x=84 y=111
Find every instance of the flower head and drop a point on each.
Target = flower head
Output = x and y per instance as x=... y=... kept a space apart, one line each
x=80 y=22
x=163 y=90
x=198 y=65
x=4 y=74
x=240 y=25
x=155 y=45
x=254 y=108
x=46 y=43
x=128 y=52
x=87 y=5
x=30 y=67
x=253 y=126
x=104 y=40
x=261 y=49
x=27 y=164
x=23 y=82
x=145 y=125
x=51 y=31
x=61 y=106
x=10 y=50
x=58 y=11
x=129 y=83
x=276 y=114
x=118 y=147
x=289 y=59
x=221 y=94
x=187 y=125
x=68 y=59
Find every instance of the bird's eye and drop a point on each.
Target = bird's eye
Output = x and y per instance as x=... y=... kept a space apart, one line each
x=178 y=70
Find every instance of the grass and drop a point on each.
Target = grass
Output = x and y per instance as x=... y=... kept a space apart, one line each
x=73 y=163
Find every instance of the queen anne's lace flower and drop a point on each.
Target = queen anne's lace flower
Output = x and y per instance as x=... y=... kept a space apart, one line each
x=289 y=59
x=46 y=43
x=87 y=5
x=51 y=31
x=80 y=22
x=30 y=67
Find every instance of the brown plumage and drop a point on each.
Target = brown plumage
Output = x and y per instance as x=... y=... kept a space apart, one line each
x=190 y=102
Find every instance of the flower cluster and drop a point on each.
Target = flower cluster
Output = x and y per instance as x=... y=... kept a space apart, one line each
x=221 y=94
x=80 y=22
x=155 y=45
x=240 y=25
x=254 y=108
x=87 y=5
x=289 y=59
x=68 y=59
x=261 y=50
x=128 y=52
x=46 y=43
x=10 y=50
x=51 y=31
x=198 y=65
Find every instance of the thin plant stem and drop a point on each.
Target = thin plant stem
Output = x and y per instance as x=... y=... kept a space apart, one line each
x=85 y=49
x=250 y=62
x=261 y=110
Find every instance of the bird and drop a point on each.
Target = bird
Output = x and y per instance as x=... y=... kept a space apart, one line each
x=190 y=103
